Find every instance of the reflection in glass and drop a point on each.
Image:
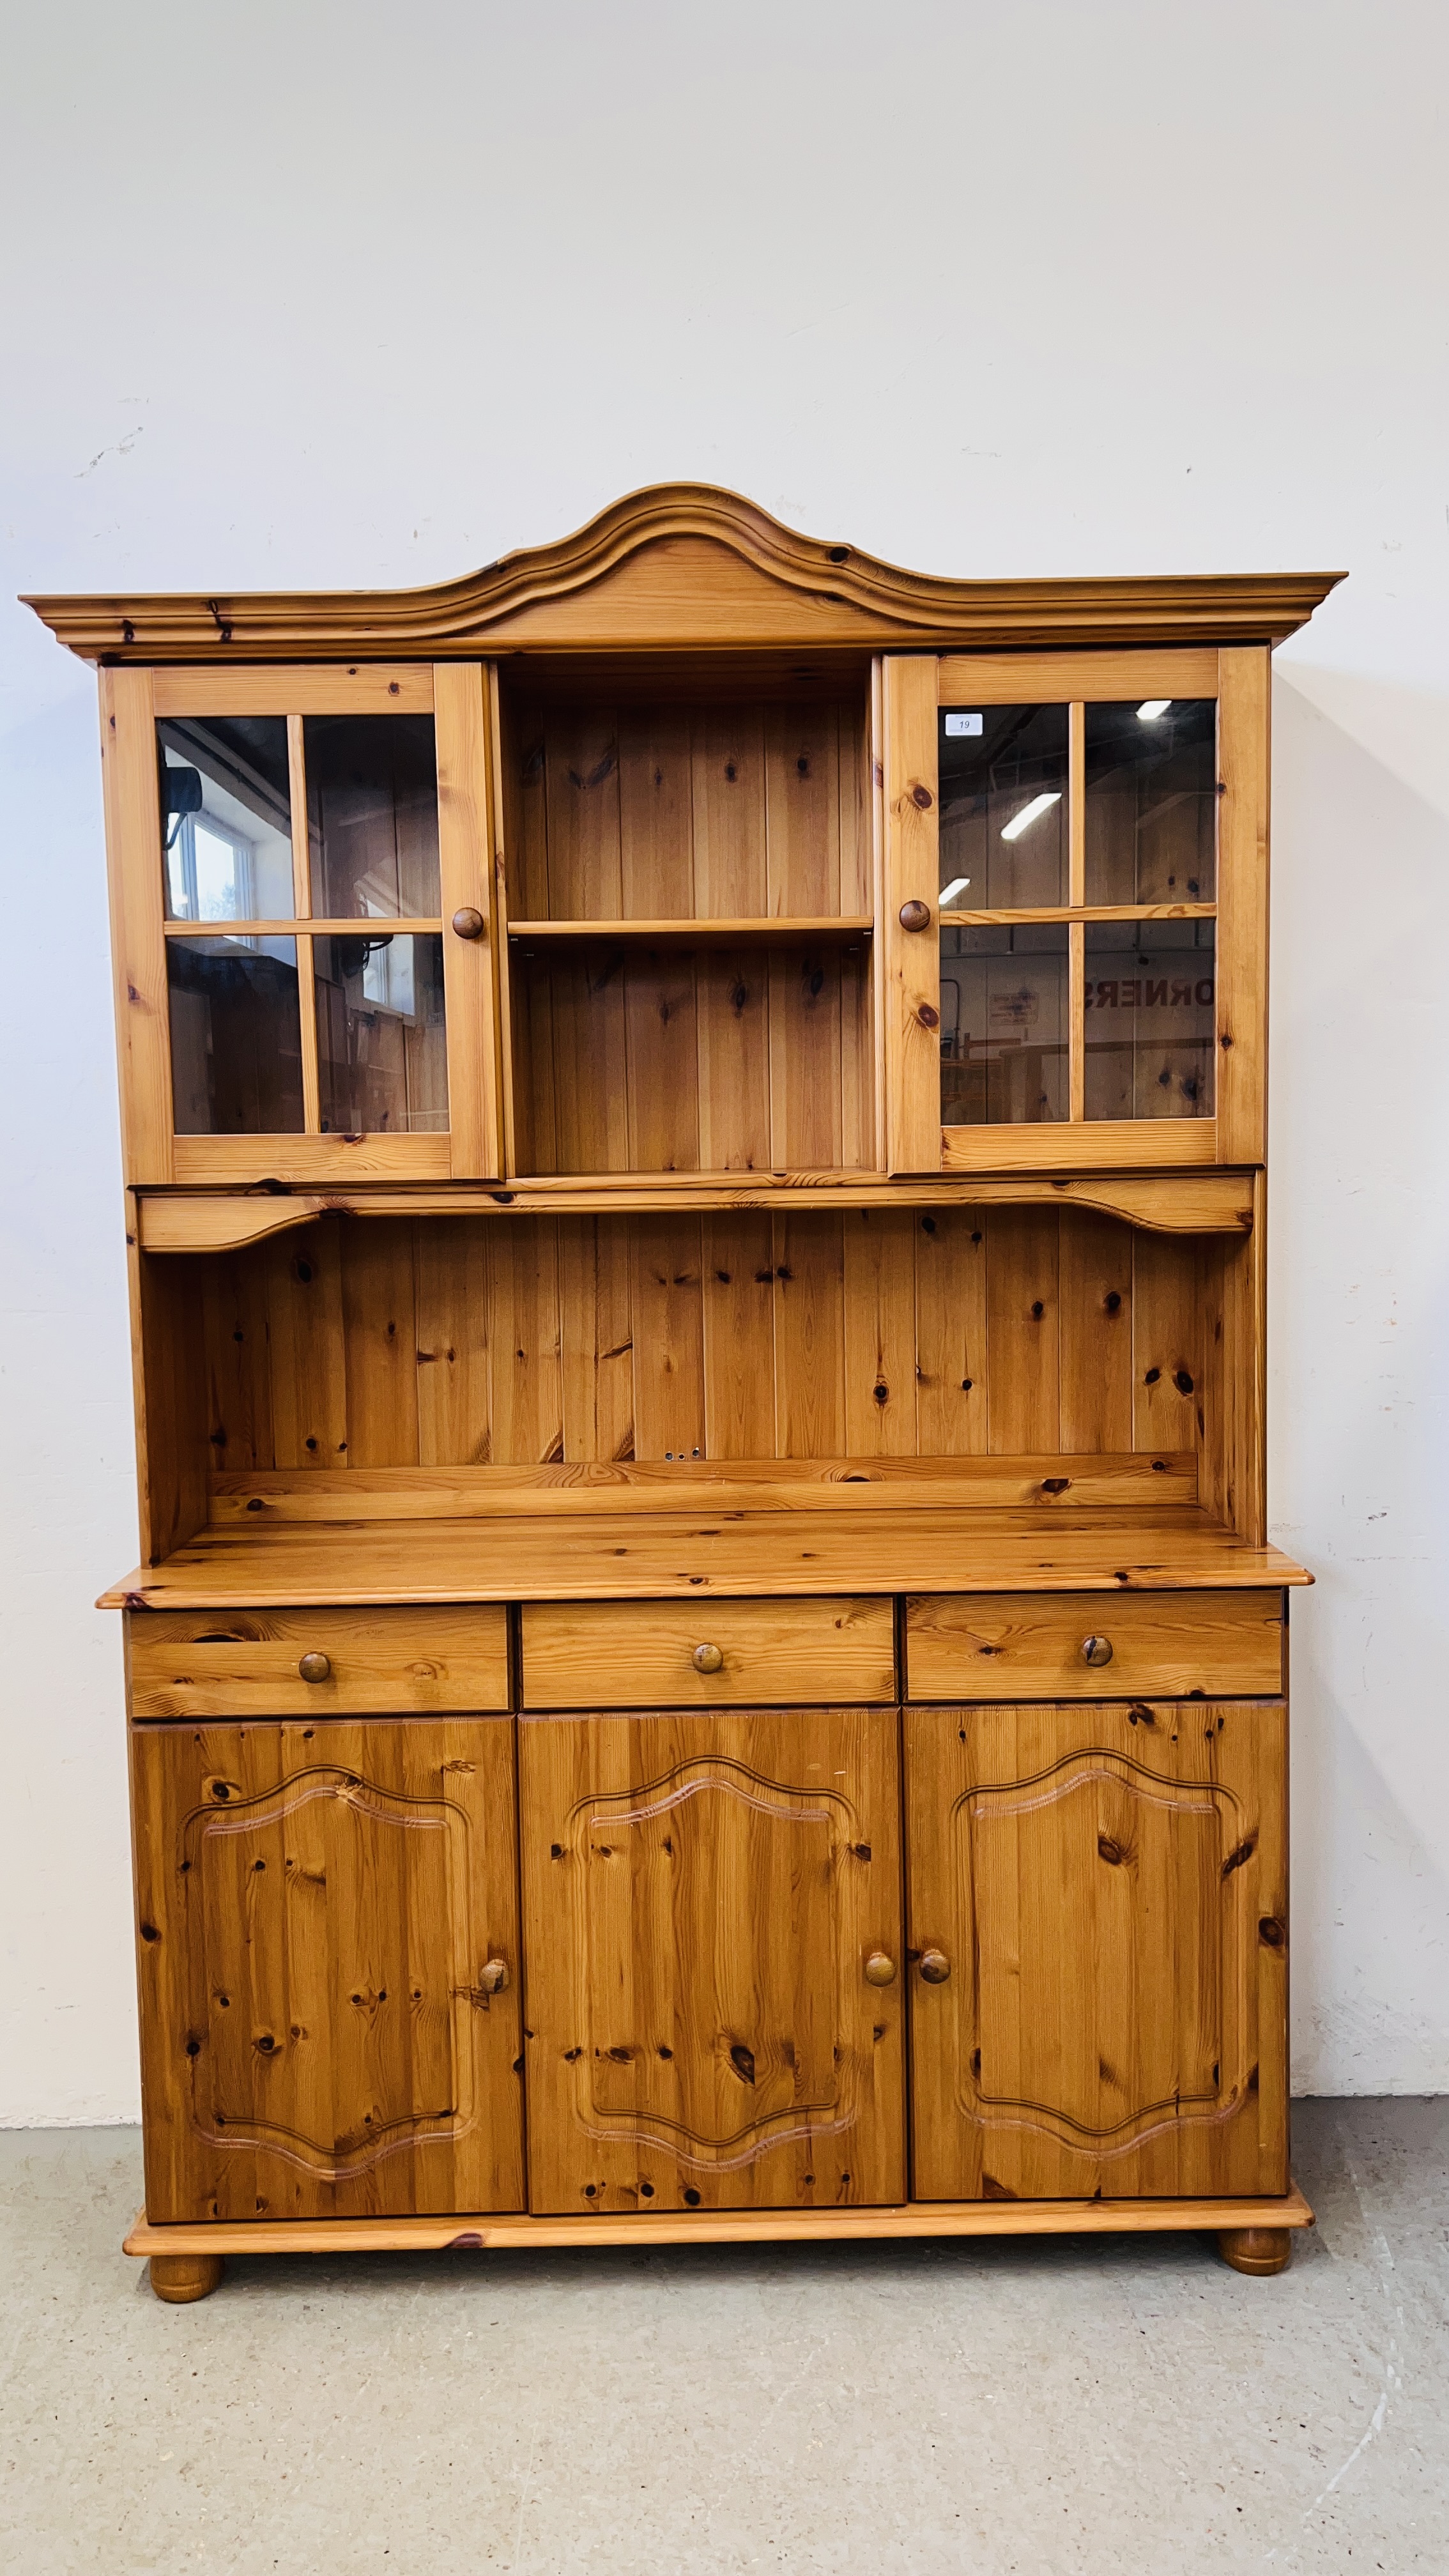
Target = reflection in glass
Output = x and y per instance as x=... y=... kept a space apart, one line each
x=1003 y=1025
x=236 y=1037
x=1150 y=1019
x=372 y=816
x=1152 y=801
x=381 y=1040
x=226 y=818
x=1003 y=783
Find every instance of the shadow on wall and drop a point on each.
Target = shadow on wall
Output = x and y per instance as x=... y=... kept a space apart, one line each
x=1359 y=1367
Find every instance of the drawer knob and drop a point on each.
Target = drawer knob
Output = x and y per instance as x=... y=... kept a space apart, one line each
x=468 y=922
x=935 y=1967
x=315 y=1668
x=493 y=1976
x=915 y=915
x=1096 y=1650
x=880 y=1969
x=708 y=1659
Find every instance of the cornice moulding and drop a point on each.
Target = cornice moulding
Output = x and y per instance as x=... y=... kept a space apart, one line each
x=682 y=567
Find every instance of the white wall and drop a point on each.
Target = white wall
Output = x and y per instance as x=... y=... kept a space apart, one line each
x=331 y=293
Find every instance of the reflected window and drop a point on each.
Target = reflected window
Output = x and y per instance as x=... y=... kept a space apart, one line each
x=372 y=816
x=1151 y=819
x=382 y=1058
x=226 y=818
x=1003 y=791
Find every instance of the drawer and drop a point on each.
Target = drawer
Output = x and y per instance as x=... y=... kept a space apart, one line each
x=324 y=1663
x=1093 y=1645
x=716 y=1654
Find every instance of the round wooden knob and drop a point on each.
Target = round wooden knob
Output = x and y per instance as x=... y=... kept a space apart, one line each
x=707 y=1659
x=315 y=1668
x=469 y=922
x=493 y=1976
x=1096 y=1650
x=935 y=1967
x=915 y=915
x=880 y=1969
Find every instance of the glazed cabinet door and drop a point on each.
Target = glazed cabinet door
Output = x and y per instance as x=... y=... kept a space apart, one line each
x=328 y=1962
x=1097 y=1941
x=714 y=1991
x=1074 y=909
x=302 y=921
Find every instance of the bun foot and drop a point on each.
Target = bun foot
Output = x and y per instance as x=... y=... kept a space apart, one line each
x=1258 y=2250
x=180 y=2278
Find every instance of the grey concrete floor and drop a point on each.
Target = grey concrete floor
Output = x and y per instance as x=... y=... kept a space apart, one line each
x=1056 y=2407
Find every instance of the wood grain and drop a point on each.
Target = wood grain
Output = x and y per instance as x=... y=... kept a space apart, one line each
x=907 y=2220
x=404 y=1662
x=1107 y=1886
x=627 y=1654
x=700 y=1895
x=315 y=1907
x=911 y=977
x=980 y=1646
x=656 y=1556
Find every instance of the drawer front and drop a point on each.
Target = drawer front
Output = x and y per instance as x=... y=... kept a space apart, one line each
x=1093 y=1645
x=715 y=1654
x=323 y=1663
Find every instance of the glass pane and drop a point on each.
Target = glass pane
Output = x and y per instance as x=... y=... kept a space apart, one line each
x=1150 y=1021
x=236 y=1037
x=1152 y=802
x=372 y=816
x=1003 y=807
x=226 y=818
x=381 y=1040
x=1003 y=1025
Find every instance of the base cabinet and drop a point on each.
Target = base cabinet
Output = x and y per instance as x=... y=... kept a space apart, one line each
x=328 y=1949
x=715 y=1982
x=702 y=1989
x=1097 y=1934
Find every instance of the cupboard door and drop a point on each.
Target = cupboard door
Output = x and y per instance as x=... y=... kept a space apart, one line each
x=1074 y=909
x=302 y=915
x=328 y=1968
x=712 y=1929
x=1098 y=1950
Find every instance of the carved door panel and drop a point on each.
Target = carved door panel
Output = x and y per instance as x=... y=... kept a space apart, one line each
x=709 y=1902
x=1097 y=1940
x=328 y=1947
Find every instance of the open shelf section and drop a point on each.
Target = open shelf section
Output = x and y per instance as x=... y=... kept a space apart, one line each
x=692 y=933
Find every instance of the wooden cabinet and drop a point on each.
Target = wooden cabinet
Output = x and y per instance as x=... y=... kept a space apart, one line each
x=694 y=1120
x=1097 y=1933
x=714 y=1979
x=329 y=1968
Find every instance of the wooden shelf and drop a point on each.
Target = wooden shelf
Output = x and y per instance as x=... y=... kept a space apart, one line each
x=657 y=1556
x=711 y=933
x=1169 y=1203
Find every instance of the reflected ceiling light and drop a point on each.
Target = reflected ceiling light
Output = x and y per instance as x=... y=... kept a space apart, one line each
x=1152 y=708
x=1013 y=830
x=949 y=892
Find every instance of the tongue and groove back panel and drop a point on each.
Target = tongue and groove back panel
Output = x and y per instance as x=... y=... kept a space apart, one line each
x=515 y=1342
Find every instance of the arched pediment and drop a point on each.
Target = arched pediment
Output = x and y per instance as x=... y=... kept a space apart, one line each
x=682 y=567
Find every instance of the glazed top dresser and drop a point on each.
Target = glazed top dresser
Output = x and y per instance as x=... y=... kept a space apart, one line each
x=706 y=1659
